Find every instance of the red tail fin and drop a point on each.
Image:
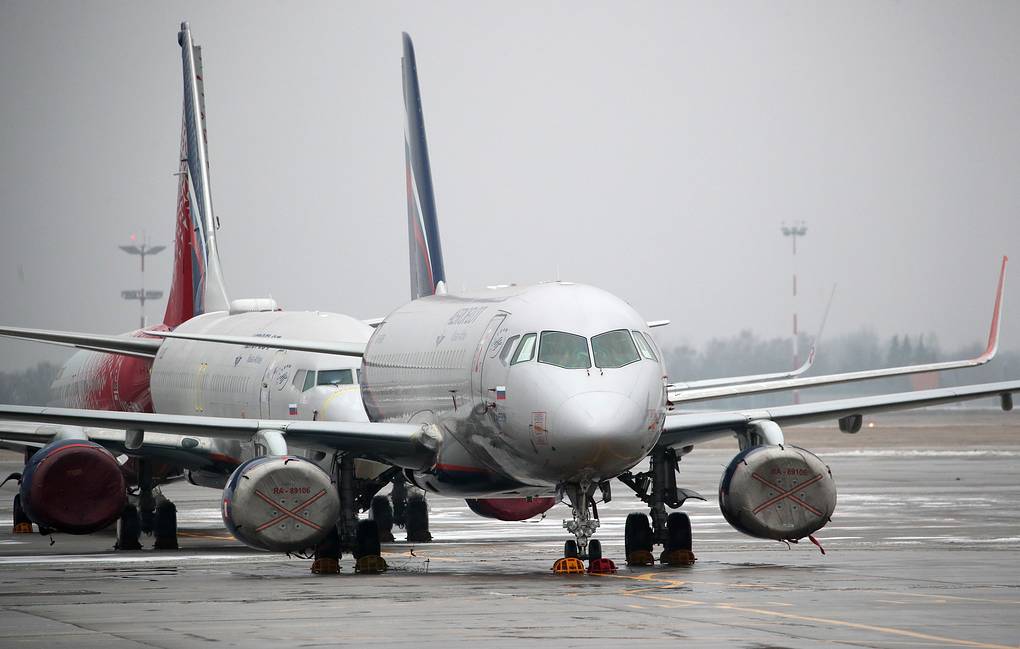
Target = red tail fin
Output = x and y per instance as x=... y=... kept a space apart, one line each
x=184 y=290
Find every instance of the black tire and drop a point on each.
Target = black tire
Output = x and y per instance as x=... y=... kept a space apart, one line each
x=366 y=541
x=398 y=496
x=382 y=514
x=637 y=534
x=594 y=550
x=165 y=526
x=570 y=549
x=19 y=512
x=417 y=519
x=128 y=530
x=329 y=547
x=678 y=532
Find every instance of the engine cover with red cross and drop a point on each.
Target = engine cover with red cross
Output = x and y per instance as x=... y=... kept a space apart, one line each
x=280 y=503
x=777 y=492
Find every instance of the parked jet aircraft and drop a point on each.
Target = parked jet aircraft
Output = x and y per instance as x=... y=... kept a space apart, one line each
x=512 y=397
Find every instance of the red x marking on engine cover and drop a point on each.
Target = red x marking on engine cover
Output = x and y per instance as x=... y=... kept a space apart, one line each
x=783 y=495
x=287 y=513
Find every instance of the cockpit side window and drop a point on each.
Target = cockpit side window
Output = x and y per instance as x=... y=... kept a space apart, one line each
x=504 y=355
x=526 y=350
x=614 y=349
x=299 y=379
x=309 y=380
x=335 y=377
x=651 y=345
x=643 y=346
x=561 y=349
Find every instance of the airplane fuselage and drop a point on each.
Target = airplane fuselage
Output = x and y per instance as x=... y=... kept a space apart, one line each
x=532 y=387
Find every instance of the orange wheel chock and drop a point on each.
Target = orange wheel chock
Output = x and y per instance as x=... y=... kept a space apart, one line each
x=22 y=528
x=640 y=558
x=325 y=567
x=371 y=564
x=677 y=558
x=568 y=566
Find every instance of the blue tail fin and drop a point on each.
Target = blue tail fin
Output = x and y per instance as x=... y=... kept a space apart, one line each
x=426 y=253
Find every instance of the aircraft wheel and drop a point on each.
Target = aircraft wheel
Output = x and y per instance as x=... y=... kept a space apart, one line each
x=594 y=550
x=417 y=519
x=570 y=549
x=637 y=534
x=366 y=540
x=678 y=529
x=128 y=530
x=382 y=514
x=398 y=496
x=165 y=526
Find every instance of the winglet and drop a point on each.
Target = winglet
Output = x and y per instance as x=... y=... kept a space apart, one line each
x=993 y=333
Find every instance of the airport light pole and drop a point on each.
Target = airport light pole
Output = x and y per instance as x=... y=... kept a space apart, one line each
x=794 y=230
x=141 y=295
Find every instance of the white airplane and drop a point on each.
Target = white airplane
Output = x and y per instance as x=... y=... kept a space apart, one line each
x=513 y=398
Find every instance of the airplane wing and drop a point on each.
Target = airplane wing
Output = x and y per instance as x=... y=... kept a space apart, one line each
x=127 y=345
x=336 y=348
x=186 y=452
x=410 y=446
x=676 y=396
x=683 y=429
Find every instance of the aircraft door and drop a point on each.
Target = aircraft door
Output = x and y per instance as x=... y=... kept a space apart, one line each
x=276 y=371
x=487 y=371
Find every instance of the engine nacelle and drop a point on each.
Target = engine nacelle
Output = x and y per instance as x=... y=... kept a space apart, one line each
x=208 y=479
x=510 y=509
x=777 y=492
x=280 y=503
x=73 y=486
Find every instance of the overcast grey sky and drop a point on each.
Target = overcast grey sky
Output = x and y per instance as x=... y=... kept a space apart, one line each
x=651 y=149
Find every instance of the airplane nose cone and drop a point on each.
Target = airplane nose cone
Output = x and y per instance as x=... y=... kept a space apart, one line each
x=600 y=433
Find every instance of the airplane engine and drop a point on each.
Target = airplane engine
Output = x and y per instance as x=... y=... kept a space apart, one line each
x=510 y=509
x=777 y=492
x=73 y=486
x=280 y=503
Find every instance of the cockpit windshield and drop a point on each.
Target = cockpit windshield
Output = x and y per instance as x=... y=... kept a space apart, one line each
x=335 y=377
x=614 y=349
x=565 y=350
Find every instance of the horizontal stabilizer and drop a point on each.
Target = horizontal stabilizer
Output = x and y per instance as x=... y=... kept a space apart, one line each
x=338 y=349
x=141 y=347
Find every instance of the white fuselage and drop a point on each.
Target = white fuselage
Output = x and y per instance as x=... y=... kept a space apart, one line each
x=524 y=427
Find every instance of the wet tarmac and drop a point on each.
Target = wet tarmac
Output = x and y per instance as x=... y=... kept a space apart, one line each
x=923 y=551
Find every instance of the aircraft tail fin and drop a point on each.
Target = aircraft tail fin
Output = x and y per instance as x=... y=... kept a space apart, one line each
x=428 y=275
x=197 y=285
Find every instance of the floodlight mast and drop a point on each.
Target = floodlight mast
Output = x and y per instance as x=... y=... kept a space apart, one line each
x=794 y=230
x=141 y=295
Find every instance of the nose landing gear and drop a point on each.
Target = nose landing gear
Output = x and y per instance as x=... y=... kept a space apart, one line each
x=584 y=522
x=657 y=487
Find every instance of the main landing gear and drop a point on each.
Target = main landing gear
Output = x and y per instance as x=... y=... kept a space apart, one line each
x=362 y=538
x=153 y=515
x=657 y=487
x=584 y=522
x=22 y=524
x=405 y=508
